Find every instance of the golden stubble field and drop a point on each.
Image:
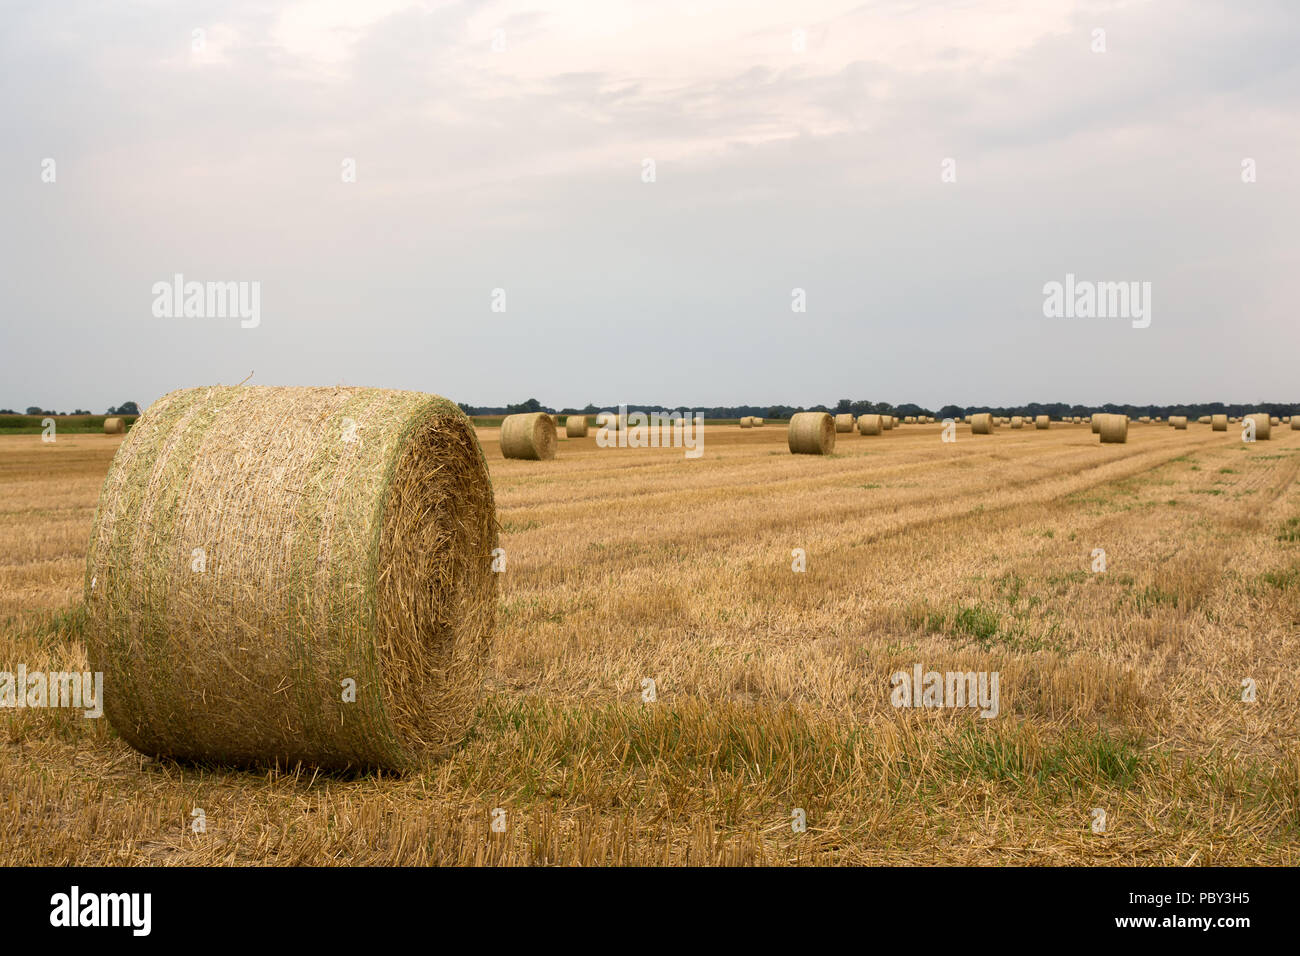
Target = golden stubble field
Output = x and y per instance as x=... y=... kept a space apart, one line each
x=1119 y=691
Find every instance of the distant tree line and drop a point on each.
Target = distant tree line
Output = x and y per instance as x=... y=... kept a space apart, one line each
x=845 y=405
x=126 y=408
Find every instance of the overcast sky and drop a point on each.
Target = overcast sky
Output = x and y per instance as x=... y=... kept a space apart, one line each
x=778 y=165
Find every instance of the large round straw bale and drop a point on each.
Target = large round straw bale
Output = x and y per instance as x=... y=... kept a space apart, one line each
x=529 y=435
x=756 y=421
x=1095 y=421
x=114 y=426
x=1219 y=423
x=870 y=424
x=981 y=424
x=1262 y=424
x=1179 y=422
x=279 y=575
x=575 y=426
x=1042 y=421
x=844 y=423
x=888 y=422
x=1114 y=429
x=746 y=422
x=811 y=433
x=1295 y=423
x=1017 y=421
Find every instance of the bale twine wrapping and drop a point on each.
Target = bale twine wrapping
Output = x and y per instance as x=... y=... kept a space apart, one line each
x=870 y=425
x=575 y=426
x=1219 y=423
x=346 y=535
x=811 y=433
x=844 y=423
x=981 y=424
x=1114 y=429
x=1042 y=421
x=114 y=426
x=530 y=435
x=1179 y=422
x=1262 y=423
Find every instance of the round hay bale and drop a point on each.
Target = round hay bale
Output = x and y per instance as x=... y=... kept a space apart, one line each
x=257 y=550
x=756 y=421
x=888 y=422
x=746 y=422
x=1219 y=423
x=1262 y=423
x=1203 y=420
x=1042 y=421
x=1179 y=422
x=114 y=426
x=981 y=424
x=1017 y=421
x=1273 y=420
x=965 y=420
x=1095 y=421
x=530 y=435
x=575 y=426
x=909 y=419
x=1145 y=419
x=1295 y=423
x=870 y=425
x=1114 y=429
x=844 y=423
x=811 y=433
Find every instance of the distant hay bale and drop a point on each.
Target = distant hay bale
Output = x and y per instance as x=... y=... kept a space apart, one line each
x=844 y=423
x=1273 y=420
x=811 y=433
x=965 y=420
x=870 y=425
x=259 y=553
x=530 y=435
x=114 y=426
x=981 y=424
x=1042 y=421
x=1262 y=426
x=1219 y=423
x=1295 y=423
x=1179 y=422
x=1114 y=429
x=756 y=421
x=1145 y=419
x=575 y=426
x=746 y=422
x=888 y=421
x=1017 y=421
x=909 y=419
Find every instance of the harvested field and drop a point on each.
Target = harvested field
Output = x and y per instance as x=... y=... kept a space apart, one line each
x=1120 y=689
